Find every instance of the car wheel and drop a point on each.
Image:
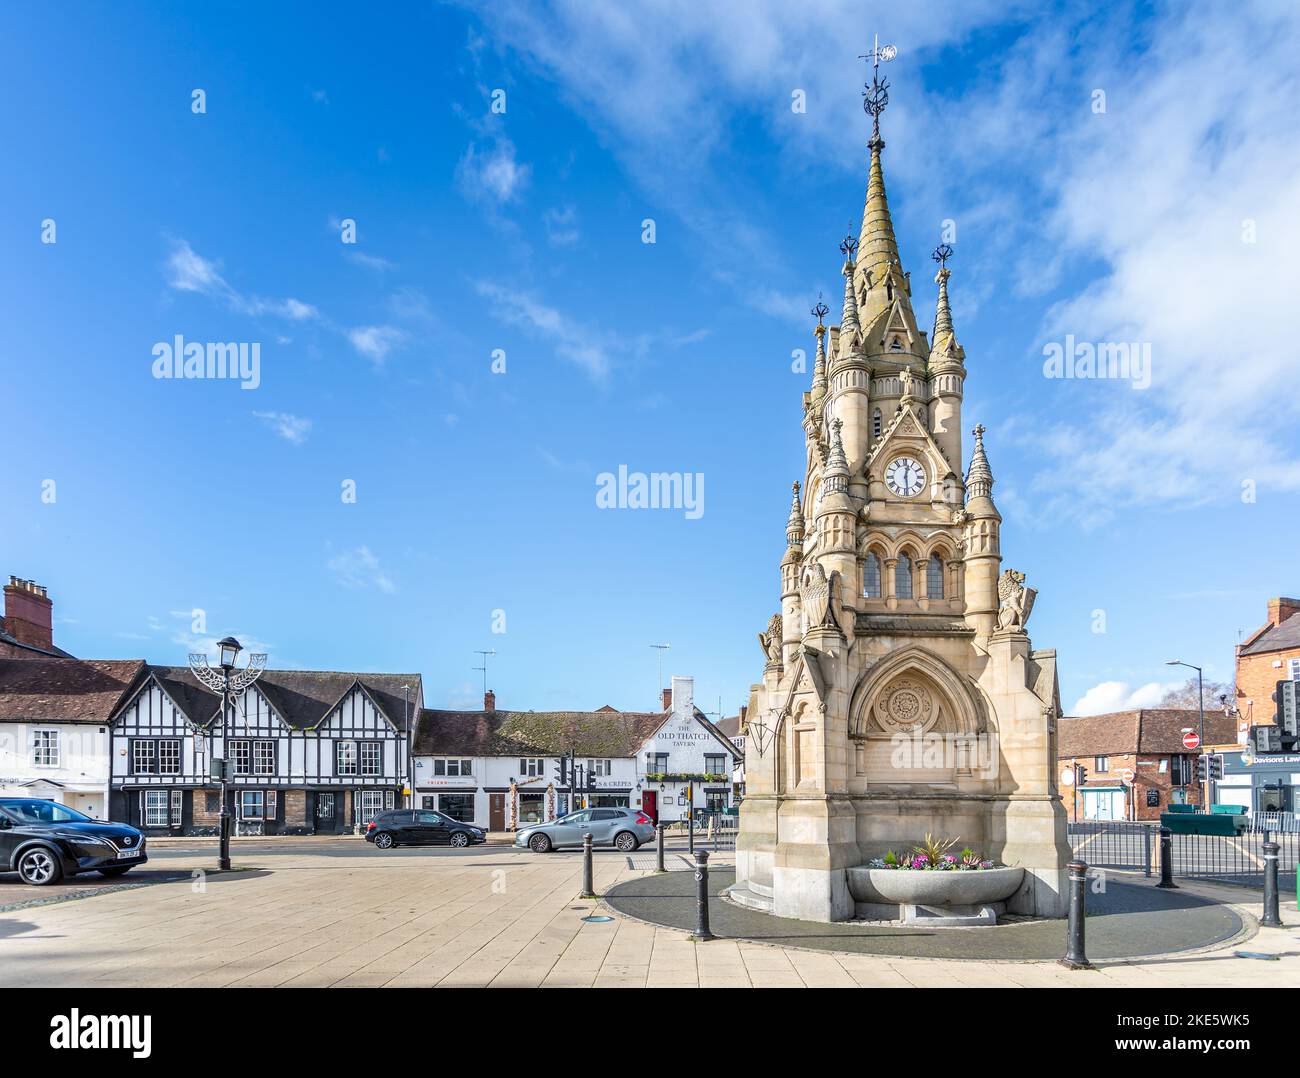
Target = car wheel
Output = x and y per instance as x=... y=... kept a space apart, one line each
x=39 y=867
x=116 y=870
x=384 y=841
x=460 y=840
x=540 y=844
x=626 y=841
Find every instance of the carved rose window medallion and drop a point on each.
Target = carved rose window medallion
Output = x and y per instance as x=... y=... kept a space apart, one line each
x=906 y=706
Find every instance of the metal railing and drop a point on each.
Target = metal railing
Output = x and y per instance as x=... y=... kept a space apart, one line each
x=1237 y=859
x=1281 y=822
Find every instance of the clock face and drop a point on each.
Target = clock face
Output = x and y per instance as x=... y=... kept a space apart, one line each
x=905 y=477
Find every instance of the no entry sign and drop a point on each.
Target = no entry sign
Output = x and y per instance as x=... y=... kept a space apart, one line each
x=1191 y=740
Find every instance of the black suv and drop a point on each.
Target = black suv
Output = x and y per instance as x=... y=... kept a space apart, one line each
x=421 y=827
x=44 y=841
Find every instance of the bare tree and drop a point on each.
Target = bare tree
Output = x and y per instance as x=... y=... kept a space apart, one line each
x=1185 y=695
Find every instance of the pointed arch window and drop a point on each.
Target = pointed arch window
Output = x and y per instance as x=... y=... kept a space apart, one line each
x=871 y=577
x=903 y=577
x=934 y=577
x=875 y=424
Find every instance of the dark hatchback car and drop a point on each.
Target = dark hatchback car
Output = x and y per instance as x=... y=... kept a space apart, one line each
x=44 y=841
x=421 y=827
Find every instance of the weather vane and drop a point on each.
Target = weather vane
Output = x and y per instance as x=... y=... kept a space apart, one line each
x=876 y=96
x=941 y=255
x=820 y=311
x=848 y=245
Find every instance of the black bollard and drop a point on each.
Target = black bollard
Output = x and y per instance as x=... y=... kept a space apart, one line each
x=1272 y=916
x=588 y=882
x=659 y=847
x=702 y=932
x=1166 y=859
x=1075 y=957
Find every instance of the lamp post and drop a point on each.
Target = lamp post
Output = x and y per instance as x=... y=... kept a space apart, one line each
x=410 y=749
x=228 y=682
x=1200 y=700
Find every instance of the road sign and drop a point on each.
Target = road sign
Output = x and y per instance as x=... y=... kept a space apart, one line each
x=1129 y=774
x=1067 y=776
x=1191 y=740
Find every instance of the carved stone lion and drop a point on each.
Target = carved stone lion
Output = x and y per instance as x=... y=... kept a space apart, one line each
x=1015 y=601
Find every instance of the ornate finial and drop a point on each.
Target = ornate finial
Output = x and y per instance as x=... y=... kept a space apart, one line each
x=794 y=523
x=820 y=312
x=795 y=487
x=941 y=255
x=979 y=477
x=876 y=96
x=849 y=245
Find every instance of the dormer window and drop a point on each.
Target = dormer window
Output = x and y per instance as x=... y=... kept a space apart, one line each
x=896 y=345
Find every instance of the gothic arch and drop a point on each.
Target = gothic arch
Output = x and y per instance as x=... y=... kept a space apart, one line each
x=915 y=686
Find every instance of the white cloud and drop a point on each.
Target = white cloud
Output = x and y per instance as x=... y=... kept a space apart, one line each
x=360 y=568
x=292 y=428
x=585 y=347
x=492 y=175
x=371 y=262
x=189 y=271
x=1146 y=203
x=1111 y=696
x=375 y=342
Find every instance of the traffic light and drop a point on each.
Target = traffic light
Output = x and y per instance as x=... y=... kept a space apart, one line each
x=1266 y=740
x=1202 y=768
x=562 y=771
x=1080 y=774
x=1288 y=708
x=1216 y=767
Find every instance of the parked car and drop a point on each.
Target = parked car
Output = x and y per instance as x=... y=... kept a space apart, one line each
x=421 y=827
x=624 y=829
x=44 y=841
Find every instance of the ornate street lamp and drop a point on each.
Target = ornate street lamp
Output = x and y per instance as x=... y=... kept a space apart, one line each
x=227 y=683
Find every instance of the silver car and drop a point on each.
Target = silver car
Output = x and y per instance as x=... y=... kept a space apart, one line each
x=623 y=828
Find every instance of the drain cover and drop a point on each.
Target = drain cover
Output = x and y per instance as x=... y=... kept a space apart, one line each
x=597 y=919
x=1256 y=954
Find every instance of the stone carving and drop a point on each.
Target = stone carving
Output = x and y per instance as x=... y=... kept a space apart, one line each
x=819 y=593
x=770 y=641
x=905 y=706
x=1015 y=601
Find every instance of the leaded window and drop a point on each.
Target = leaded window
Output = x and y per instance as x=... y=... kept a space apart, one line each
x=934 y=577
x=372 y=758
x=871 y=577
x=903 y=577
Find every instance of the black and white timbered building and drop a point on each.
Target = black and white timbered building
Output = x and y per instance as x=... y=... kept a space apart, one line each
x=311 y=752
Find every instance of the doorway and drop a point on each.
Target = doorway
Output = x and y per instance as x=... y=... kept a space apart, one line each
x=650 y=804
x=496 y=812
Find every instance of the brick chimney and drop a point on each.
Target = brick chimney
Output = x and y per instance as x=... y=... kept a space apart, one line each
x=1278 y=609
x=668 y=699
x=29 y=614
x=489 y=701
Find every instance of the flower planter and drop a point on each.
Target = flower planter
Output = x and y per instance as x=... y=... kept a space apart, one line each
x=943 y=899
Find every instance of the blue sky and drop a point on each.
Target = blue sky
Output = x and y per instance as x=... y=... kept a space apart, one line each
x=1168 y=218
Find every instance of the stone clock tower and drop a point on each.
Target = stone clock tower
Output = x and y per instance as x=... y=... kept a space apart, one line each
x=901 y=694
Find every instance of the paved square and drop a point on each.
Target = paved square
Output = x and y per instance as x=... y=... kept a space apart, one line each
x=324 y=913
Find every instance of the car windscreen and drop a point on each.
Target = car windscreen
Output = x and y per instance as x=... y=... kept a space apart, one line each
x=35 y=811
